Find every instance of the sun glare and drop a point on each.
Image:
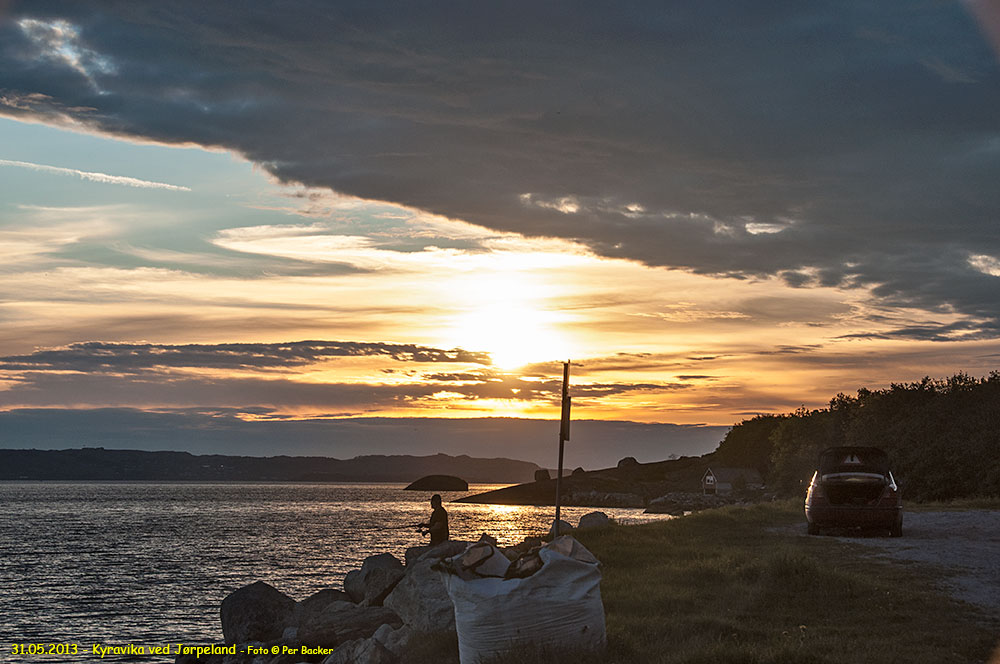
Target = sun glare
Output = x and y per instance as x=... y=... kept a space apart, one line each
x=513 y=336
x=506 y=317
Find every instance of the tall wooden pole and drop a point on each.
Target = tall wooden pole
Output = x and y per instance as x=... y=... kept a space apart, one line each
x=563 y=437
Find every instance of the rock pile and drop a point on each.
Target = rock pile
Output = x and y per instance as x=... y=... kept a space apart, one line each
x=596 y=498
x=384 y=606
x=678 y=503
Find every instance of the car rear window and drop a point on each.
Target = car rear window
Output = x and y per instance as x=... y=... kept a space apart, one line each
x=853 y=459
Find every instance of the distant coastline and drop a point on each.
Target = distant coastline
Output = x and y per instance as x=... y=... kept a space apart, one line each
x=98 y=463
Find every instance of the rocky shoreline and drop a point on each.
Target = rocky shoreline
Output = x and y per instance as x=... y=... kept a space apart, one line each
x=678 y=503
x=383 y=610
x=663 y=487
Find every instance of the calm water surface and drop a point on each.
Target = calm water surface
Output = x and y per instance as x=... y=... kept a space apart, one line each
x=149 y=563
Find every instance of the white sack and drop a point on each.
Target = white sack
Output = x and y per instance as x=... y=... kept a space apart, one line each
x=482 y=559
x=561 y=604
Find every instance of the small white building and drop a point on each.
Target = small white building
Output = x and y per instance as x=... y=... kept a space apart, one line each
x=724 y=480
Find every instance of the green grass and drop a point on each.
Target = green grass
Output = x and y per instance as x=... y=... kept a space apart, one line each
x=979 y=503
x=737 y=585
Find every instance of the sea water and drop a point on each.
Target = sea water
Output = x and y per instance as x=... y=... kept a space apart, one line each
x=148 y=564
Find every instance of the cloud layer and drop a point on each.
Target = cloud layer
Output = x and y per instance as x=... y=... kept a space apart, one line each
x=848 y=145
x=279 y=380
x=96 y=356
x=94 y=177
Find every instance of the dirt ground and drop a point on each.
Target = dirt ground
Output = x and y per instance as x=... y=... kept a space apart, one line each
x=965 y=544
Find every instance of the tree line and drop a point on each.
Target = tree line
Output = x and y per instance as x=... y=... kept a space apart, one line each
x=942 y=437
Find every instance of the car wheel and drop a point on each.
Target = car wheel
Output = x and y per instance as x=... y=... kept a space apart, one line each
x=897 y=528
x=812 y=529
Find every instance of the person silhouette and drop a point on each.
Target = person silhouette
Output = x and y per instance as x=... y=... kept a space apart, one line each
x=437 y=526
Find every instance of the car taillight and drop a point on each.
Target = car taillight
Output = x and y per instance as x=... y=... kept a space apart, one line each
x=889 y=496
x=816 y=490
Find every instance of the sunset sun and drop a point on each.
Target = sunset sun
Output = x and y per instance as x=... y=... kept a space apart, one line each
x=513 y=335
x=505 y=315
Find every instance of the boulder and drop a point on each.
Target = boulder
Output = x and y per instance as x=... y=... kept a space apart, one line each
x=310 y=609
x=439 y=483
x=421 y=599
x=578 y=471
x=396 y=641
x=488 y=539
x=379 y=584
x=315 y=603
x=344 y=621
x=356 y=582
x=258 y=612
x=628 y=462
x=564 y=527
x=541 y=475
x=593 y=520
x=361 y=651
x=437 y=552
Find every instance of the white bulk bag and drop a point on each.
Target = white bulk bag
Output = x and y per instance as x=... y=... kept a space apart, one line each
x=558 y=604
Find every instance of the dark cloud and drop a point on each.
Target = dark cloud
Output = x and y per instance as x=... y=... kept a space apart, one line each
x=931 y=331
x=105 y=374
x=785 y=349
x=841 y=144
x=103 y=357
x=161 y=389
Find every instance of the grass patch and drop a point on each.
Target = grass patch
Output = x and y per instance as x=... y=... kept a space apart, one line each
x=734 y=586
x=731 y=585
x=979 y=503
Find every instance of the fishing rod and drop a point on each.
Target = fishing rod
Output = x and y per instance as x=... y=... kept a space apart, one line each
x=406 y=527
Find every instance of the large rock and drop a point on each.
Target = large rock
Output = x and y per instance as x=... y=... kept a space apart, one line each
x=385 y=646
x=321 y=599
x=344 y=621
x=379 y=584
x=315 y=603
x=258 y=612
x=421 y=599
x=437 y=552
x=396 y=641
x=628 y=462
x=541 y=475
x=357 y=581
x=564 y=527
x=361 y=651
x=310 y=609
x=439 y=483
x=593 y=520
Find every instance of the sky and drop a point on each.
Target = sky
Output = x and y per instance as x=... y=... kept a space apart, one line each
x=239 y=214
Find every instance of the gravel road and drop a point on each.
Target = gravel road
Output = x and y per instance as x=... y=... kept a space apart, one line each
x=965 y=544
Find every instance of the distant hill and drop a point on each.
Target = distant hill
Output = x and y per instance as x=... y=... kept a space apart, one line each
x=594 y=444
x=97 y=463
